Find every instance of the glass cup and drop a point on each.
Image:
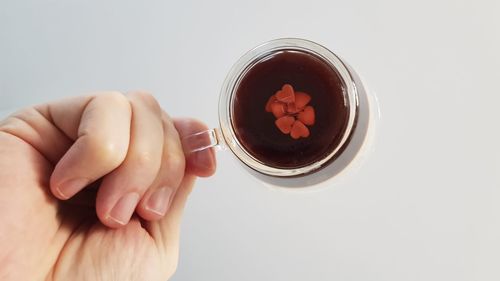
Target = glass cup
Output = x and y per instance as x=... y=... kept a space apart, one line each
x=226 y=136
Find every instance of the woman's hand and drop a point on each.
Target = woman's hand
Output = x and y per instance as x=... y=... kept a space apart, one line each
x=93 y=187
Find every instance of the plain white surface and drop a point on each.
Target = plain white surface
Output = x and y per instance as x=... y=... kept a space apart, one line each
x=424 y=204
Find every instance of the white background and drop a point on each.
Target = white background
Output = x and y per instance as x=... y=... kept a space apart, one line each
x=424 y=204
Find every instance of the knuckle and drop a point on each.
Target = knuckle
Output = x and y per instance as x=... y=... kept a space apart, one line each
x=175 y=164
x=27 y=115
x=23 y=112
x=165 y=117
x=114 y=97
x=9 y=124
x=147 y=98
x=141 y=95
x=113 y=94
x=26 y=118
x=105 y=149
x=144 y=158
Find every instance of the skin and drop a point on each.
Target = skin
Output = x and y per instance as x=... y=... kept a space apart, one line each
x=93 y=188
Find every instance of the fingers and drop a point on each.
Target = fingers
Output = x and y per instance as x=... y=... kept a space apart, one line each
x=131 y=145
x=122 y=189
x=157 y=199
x=100 y=126
x=166 y=231
x=201 y=163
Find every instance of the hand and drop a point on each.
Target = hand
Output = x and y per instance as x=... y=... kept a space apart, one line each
x=93 y=187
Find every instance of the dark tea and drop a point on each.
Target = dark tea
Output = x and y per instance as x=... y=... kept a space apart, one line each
x=290 y=109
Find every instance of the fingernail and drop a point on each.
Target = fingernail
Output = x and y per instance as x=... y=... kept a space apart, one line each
x=159 y=201
x=71 y=187
x=124 y=208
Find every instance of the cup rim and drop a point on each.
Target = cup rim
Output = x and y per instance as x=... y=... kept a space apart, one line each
x=238 y=70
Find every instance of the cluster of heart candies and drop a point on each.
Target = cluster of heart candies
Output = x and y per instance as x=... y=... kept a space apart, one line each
x=292 y=113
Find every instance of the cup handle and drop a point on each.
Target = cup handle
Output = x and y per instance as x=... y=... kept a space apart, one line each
x=201 y=141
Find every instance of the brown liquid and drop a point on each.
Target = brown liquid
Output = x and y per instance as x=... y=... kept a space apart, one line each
x=255 y=128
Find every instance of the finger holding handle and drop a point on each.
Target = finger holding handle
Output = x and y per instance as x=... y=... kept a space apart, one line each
x=176 y=165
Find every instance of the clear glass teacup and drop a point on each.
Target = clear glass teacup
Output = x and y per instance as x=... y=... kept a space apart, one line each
x=234 y=136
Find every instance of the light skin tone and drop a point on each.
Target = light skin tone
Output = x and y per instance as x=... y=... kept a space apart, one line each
x=93 y=188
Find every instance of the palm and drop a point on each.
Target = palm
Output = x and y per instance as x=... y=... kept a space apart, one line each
x=128 y=253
